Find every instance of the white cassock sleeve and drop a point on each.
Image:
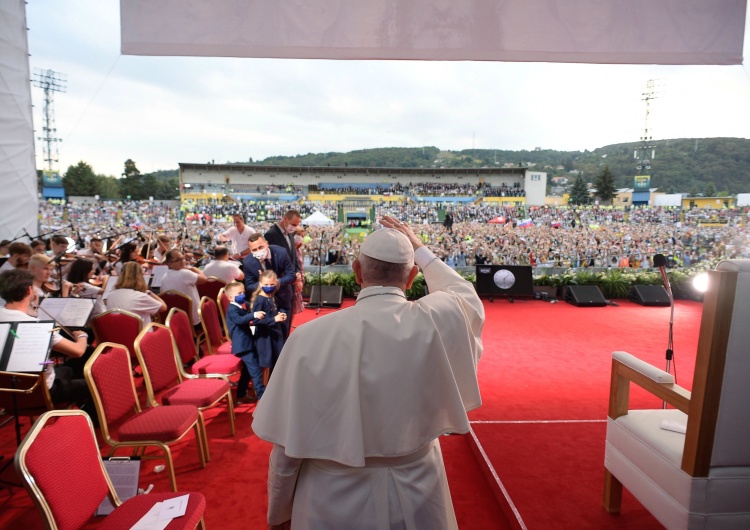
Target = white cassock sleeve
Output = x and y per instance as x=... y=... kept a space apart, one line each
x=282 y=481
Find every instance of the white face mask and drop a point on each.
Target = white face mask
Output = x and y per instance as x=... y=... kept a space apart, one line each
x=290 y=229
x=260 y=255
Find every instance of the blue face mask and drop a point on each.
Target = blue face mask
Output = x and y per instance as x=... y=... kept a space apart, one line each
x=240 y=299
x=268 y=289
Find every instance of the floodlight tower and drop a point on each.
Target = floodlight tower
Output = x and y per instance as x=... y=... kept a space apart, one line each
x=50 y=82
x=646 y=152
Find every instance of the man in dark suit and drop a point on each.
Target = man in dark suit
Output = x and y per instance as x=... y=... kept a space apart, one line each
x=264 y=256
x=281 y=234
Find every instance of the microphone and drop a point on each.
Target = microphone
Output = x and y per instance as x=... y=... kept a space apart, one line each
x=660 y=262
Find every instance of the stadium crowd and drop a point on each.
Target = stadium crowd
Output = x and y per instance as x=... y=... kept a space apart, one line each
x=479 y=233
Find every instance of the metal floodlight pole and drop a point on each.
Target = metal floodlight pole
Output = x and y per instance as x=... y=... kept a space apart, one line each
x=50 y=82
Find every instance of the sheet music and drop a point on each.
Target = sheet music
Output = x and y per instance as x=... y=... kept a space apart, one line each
x=109 y=287
x=30 y=346
x=71 y=312
x=157 y=274
x=124 y=476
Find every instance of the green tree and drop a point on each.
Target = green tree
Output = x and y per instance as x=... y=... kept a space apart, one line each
x=149 y=186
x=131 y=183
x=108 y=187
x=605 y=185
x=80 y=180
x=710 y=190
x=579 y=193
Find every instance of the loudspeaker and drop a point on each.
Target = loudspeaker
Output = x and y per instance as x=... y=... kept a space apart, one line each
x=651 y=295
x=585 y=296
x=330 y=296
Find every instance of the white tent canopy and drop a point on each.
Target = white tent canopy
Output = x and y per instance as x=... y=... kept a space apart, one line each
x=317 y=219
x=588 y=31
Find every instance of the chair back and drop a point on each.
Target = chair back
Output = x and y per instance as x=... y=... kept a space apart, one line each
x=118 y=326
x=223 y=301
x=67 y=490
x=176 y=299
x=158 y=357
x=211 y=325
x=109 y=376
x=719 y=416
x=179 y=323
x=30 y=390
x=211 y=288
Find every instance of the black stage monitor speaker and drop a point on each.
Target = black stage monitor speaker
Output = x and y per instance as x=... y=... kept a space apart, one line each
x=651 y=295
x=330 y=296
x=585 y=296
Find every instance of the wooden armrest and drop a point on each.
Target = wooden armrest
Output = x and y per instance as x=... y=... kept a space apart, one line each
x=627 y=369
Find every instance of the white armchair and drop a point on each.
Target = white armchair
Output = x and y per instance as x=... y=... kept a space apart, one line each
x=699 y=479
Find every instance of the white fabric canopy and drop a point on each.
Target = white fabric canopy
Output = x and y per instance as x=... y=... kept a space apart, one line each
x=317 y=219
x=588 y=31
x=19 y=202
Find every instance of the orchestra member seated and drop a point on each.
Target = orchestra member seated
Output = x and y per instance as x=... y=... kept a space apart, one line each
x=19 y=254
x=223 y=269
x=184 y=279
x=64 y=384
x=131 y=294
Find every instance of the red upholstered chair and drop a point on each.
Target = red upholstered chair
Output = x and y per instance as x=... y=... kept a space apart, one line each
x=166 y=381
x=68 y=490
x=123 y=423
x=179 y=323
x=216 y=342
x=118 y=326
x=211 y=288
x=223 y=301
x=181 y=301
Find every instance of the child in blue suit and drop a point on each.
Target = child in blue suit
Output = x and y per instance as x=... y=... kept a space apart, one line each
x=239 y=321
x=269 y=330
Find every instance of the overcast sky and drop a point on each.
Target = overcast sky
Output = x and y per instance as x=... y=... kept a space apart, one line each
x=160 y=111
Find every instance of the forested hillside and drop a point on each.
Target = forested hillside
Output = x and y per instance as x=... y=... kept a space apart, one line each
x=686 y=165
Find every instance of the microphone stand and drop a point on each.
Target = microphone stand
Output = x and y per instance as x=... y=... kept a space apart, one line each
x=670 y=339
x=320 y=274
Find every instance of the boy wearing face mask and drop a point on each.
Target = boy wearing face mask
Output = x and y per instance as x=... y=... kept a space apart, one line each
x=269 y=330
x=239 y=321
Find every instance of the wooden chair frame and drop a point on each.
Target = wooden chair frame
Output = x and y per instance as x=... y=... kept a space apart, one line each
x=700 y=405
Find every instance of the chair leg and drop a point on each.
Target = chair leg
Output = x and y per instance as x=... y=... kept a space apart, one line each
x=612 y=493
x=202 y=524
x=230 y=411
x=170 y=466
x=201 y=438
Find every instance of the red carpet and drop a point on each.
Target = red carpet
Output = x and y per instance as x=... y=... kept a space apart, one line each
x=541 y=362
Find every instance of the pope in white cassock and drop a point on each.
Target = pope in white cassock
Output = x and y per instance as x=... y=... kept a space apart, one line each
x=359 y=397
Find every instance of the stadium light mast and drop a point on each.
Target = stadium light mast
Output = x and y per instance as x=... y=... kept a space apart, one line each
x=646 y=152
x=50 y=82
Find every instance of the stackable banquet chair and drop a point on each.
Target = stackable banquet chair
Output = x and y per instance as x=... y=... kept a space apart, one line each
x=216 y=342
x=67 y=490
x=122 y=421
x=181 y=301
x=698 y=478
x=118 y=326
x=211 y=288
x=222 y=302
x=166 y=381
x=225 y=364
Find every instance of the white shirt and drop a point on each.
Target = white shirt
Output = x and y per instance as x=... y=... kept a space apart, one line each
x=226 y=271
x=239 y=240
x=183 y=280
x=14 y=315
x=134 y=301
